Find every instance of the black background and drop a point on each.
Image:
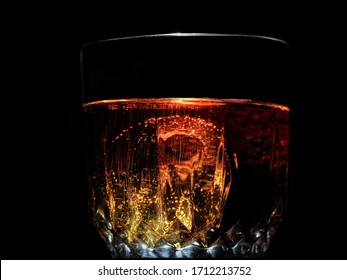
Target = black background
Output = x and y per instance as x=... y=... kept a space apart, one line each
x=44 y=199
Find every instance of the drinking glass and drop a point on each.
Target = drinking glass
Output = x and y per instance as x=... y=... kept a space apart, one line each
x=187 y=141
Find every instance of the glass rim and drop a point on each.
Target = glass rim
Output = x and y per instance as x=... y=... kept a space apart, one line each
x=188 y=34
x=122 y=67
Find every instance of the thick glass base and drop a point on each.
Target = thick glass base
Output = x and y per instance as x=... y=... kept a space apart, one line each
x=236 y=243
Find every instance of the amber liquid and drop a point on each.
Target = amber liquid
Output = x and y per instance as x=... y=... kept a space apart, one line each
x=164 y=169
